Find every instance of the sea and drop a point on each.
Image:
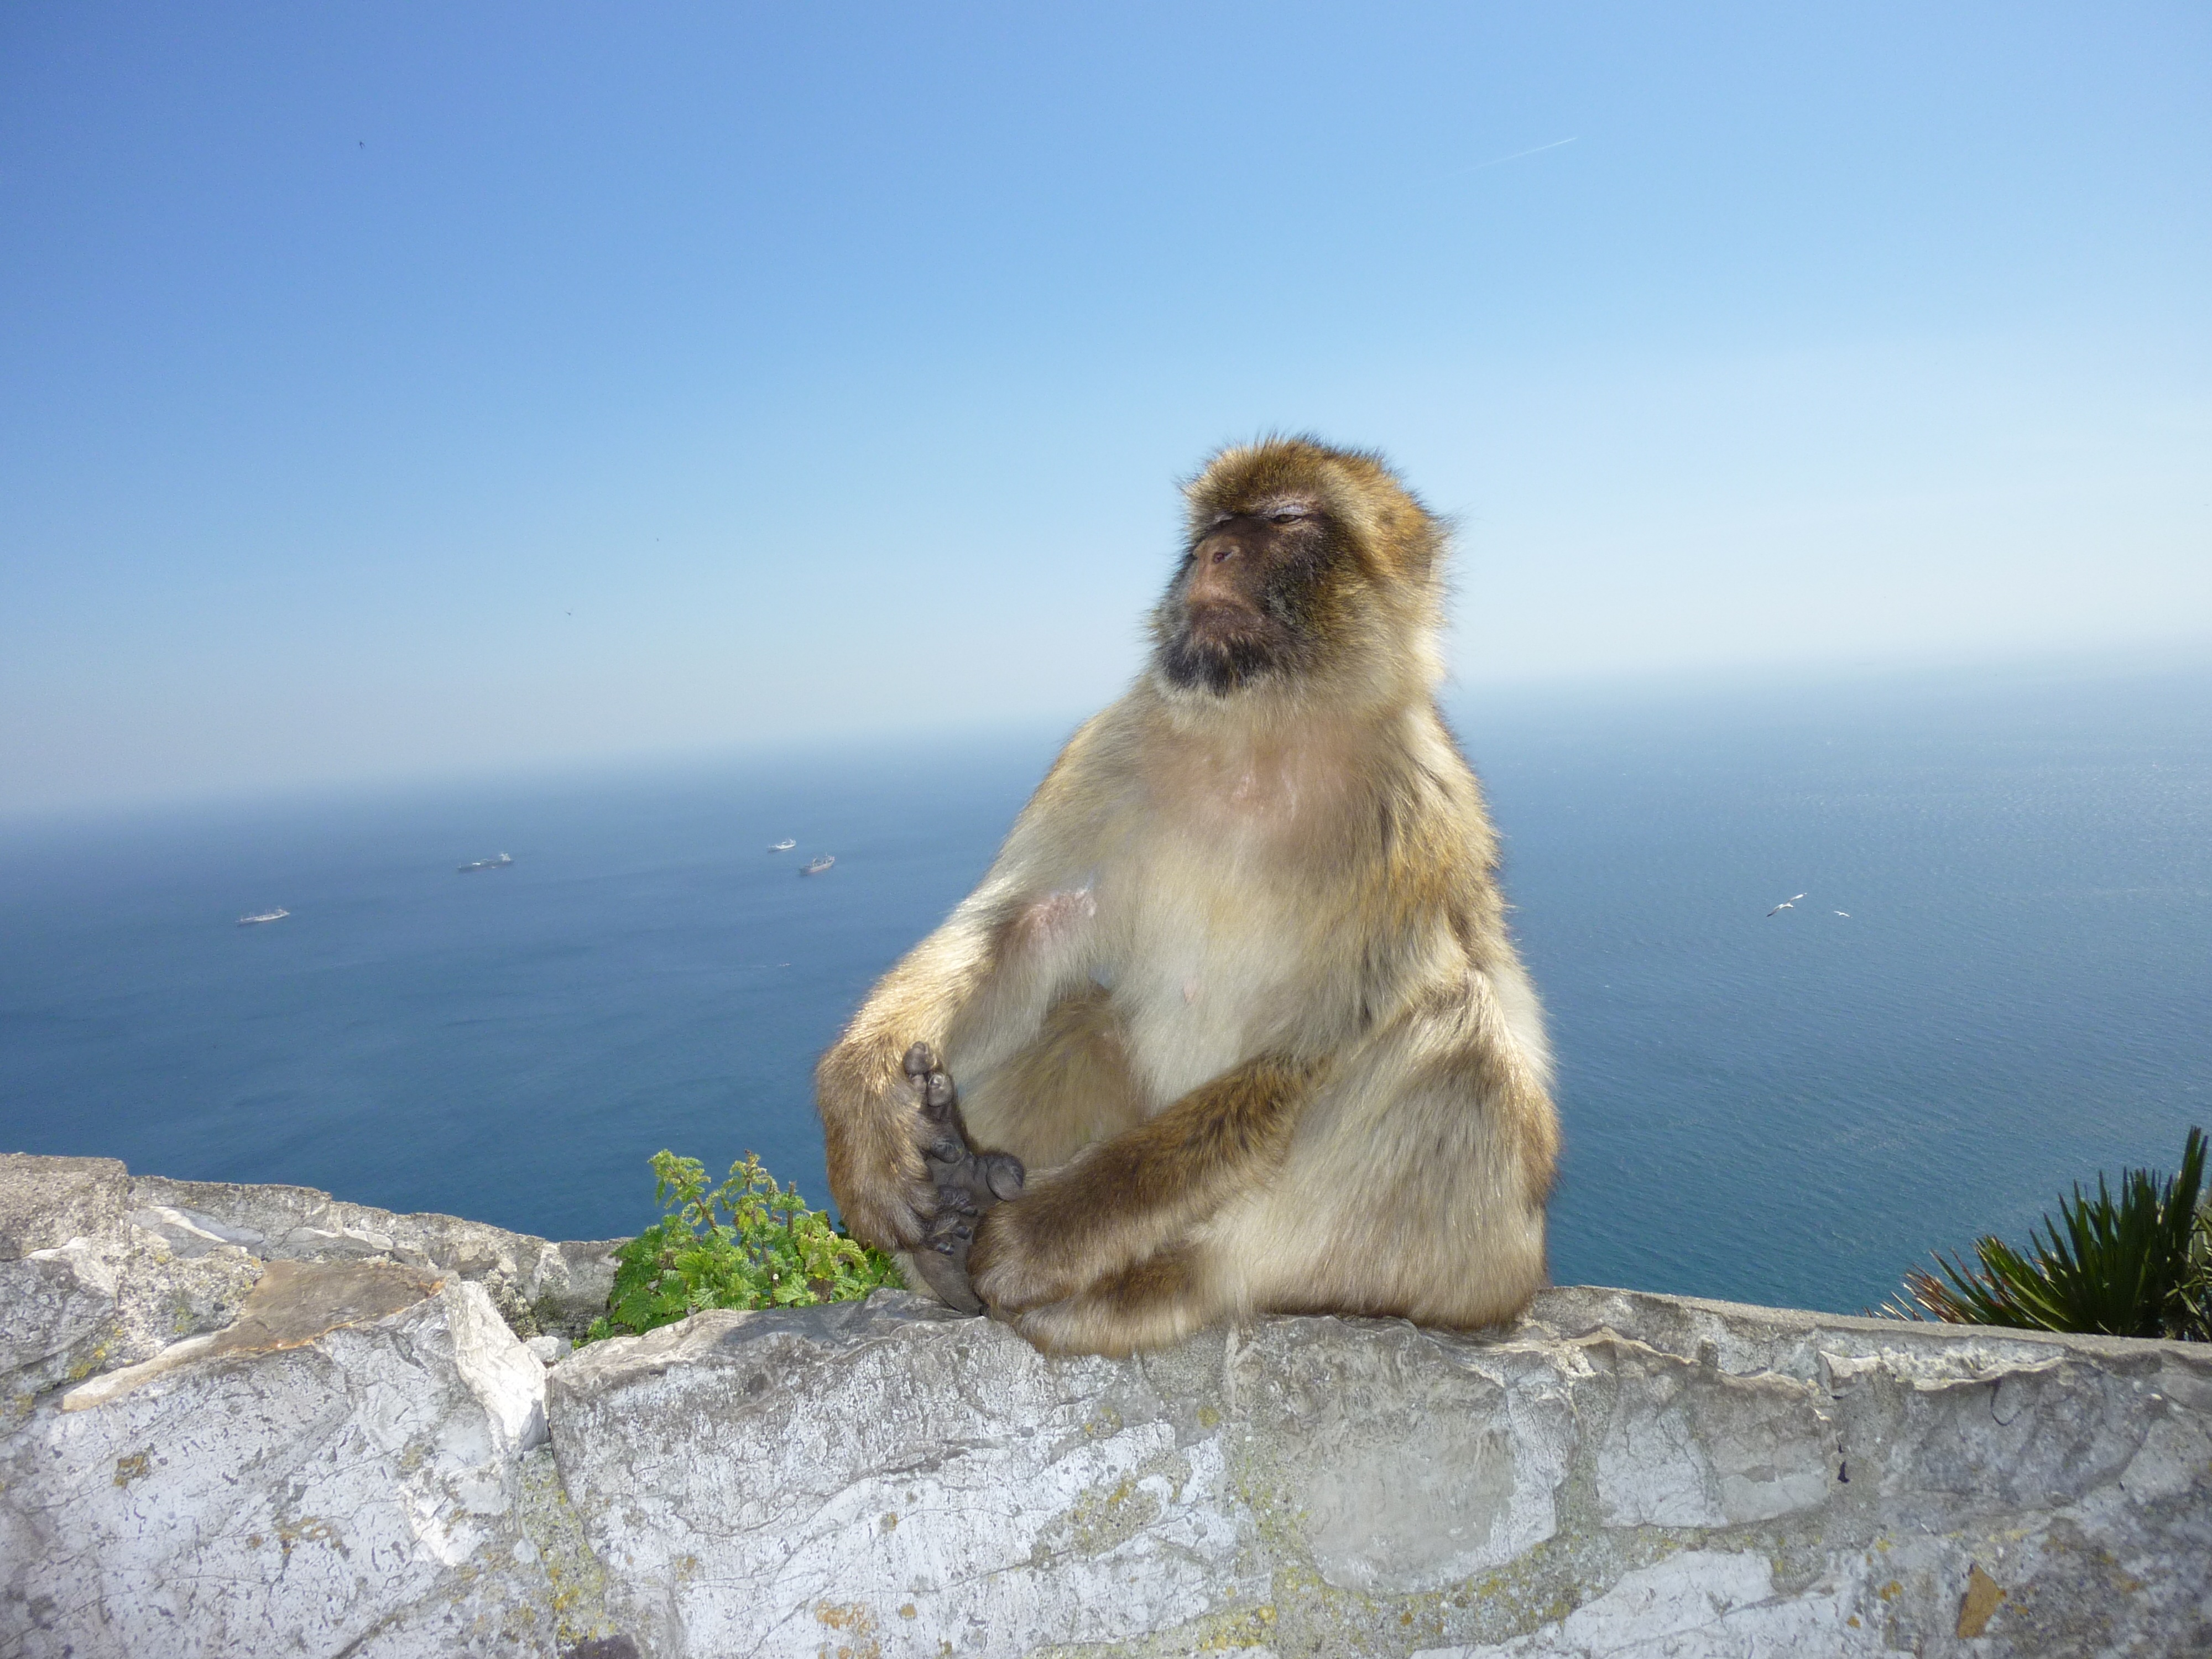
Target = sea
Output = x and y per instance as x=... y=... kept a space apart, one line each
x=1993 y=979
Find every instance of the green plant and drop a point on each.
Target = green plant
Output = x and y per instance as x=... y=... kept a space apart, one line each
x=2136 y=1264
x=748 y=1243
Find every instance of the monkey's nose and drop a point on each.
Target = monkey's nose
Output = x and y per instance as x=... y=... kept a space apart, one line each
x=1214 y=584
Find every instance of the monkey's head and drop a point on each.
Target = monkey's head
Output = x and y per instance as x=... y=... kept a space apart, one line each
x=1306 y=567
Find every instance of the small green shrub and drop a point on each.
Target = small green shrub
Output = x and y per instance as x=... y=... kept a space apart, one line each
x=2137 y=1265
x=771 y=1251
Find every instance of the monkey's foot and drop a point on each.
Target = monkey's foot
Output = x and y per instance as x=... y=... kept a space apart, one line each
x=966 y=1183
x=1159 y=1300
x=1030 y=1255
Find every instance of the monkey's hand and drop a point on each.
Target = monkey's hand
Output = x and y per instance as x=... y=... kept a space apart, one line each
x=1018 y=1259
x=1048 y=1245
x=1119 y=1202
x=965 y=1183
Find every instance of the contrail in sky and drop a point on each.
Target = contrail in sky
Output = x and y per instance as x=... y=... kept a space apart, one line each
x=1499 y=161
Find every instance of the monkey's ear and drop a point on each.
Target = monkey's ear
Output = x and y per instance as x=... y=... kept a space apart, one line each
x=1415 y=541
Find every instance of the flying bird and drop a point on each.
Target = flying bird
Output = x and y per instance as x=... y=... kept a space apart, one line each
x=1790 y=903
x=1845 y=914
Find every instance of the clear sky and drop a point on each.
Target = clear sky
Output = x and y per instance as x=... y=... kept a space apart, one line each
x=394 y=390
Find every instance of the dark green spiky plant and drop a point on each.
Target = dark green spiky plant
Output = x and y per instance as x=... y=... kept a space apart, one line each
x=748 y=1243
x=2139 y=1264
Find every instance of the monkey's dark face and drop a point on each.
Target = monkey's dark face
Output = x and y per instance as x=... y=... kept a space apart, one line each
x=1244 y=604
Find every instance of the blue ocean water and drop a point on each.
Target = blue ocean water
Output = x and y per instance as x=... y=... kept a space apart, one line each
x=1787 y=1109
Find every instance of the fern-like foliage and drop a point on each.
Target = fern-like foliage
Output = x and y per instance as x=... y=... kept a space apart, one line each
x=747 y=1243
x=2139 y=1264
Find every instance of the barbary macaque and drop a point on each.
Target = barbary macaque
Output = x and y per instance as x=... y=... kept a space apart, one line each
x=1235 y=1019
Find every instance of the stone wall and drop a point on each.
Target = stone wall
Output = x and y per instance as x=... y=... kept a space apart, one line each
x=252 y=1419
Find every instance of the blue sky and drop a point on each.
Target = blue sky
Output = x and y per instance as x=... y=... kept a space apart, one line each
x=400 y=390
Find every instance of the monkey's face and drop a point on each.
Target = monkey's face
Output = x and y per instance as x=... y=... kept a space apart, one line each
x=1246 y=603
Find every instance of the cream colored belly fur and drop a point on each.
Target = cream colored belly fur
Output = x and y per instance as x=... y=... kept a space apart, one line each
x=1182 y=959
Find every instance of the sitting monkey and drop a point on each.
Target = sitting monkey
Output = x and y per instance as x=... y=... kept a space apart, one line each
x=1235 y=1011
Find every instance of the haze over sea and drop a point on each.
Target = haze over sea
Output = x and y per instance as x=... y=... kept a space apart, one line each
x=1788 y=1109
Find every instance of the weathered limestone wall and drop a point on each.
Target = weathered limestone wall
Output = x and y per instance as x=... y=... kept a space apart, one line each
x=248 y=1420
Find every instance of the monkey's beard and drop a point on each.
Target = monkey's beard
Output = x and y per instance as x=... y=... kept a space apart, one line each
x=1222 y=660
x=1225 y=650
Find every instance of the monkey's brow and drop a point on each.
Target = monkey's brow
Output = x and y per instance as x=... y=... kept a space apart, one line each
x=1267 y=504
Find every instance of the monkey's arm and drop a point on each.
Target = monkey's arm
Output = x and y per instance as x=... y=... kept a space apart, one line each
x=984 y=977
x=875 y=1126
x=1122 y=1199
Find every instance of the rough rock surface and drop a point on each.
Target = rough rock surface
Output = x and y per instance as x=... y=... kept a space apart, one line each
x=99 y=1269
x=324 y=1498
x=356 y=1463
x=538 y=1285
x=1619 y=1475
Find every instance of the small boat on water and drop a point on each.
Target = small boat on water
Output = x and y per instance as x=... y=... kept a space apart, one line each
x=815 y=866
x=499 y=863
x=258 y=917
x=783 y=846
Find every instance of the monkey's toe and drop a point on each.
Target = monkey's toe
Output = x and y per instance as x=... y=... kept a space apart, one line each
x=938 y=1097
x=950 y=1233
x=941 y=1259
x=932 y=1085
x=947 y=1281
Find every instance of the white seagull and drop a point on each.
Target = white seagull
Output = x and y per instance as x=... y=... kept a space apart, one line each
x=1790 y=903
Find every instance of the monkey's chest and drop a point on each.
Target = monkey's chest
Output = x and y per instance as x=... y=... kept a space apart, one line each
x=1213 y=970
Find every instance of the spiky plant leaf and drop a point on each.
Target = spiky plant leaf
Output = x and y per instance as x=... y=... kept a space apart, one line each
x=2131 y=1266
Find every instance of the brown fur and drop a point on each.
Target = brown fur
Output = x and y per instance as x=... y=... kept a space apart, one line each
x=1239 y=987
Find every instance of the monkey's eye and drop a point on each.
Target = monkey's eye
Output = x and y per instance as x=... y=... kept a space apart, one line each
x=1286 y=515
